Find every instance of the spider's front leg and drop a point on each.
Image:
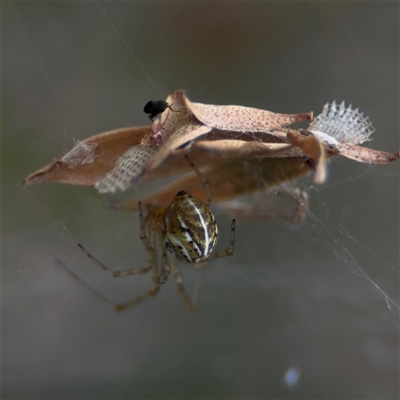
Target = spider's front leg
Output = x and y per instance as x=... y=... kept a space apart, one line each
x=149 y=250
x=121 y=306
x=165 y=267
x=113 y=273
x=150 y=293
x=151 y=258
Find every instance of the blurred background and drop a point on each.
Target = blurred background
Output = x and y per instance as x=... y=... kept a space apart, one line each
x=315 y=300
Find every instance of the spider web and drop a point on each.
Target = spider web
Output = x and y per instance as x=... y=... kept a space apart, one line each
x=333 y=233
x=330 y=240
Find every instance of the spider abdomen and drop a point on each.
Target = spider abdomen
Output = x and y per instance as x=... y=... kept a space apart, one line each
x=189 y=229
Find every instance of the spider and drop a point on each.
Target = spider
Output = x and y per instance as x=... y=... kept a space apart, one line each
x=187 y=229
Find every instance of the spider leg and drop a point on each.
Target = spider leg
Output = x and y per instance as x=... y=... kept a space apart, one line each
x=82 y=283
x=113 y=273
x=152 y=261
x=165 y=267
x=117 y=307
x=121 y=306
x=150 y=293
x=180 y=287
x=203 y=179
x=134 y=271
x=151 y=256
x=230 y=249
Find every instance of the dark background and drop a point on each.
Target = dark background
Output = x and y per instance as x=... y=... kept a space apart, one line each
x=311 y=298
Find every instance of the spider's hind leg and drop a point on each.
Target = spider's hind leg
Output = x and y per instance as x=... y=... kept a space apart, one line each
x=165 y=267
x=150 y=293
x=179 y=285
x=203 y=178
x=231 y=248
x=151 y=257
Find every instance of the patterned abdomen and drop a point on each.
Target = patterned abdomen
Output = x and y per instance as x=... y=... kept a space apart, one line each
x=189 y=229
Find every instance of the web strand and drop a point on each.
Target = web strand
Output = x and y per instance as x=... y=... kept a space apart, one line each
x=130 y=51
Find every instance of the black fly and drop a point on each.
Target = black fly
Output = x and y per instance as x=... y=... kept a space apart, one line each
x=155 y=107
